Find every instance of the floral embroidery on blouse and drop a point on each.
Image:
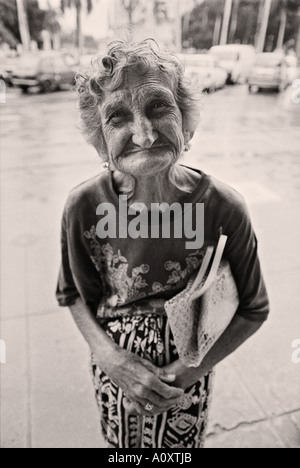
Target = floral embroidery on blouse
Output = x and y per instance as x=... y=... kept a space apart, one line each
x=119 y=287
x=193 y=261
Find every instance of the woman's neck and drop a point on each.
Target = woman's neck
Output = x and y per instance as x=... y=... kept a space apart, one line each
x=167 y=186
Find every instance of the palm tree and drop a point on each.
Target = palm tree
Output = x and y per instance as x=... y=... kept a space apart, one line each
x=9 y=27
x=265 y=14
x=130 y=6
x=283 y=23
x=79 y=5
x=23 y=25
x=234 y=20
x=226 y=21
x=217 y=7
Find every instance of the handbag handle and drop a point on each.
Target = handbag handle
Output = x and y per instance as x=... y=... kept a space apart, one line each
x=214 y=268
x=202 y=271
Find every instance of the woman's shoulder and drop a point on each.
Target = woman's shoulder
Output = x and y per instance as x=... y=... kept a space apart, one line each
x=227 y=205
x=92 y=190
x=226 y=194
x=210 y=189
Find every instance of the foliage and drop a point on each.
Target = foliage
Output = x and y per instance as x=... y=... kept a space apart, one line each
x=9 y=28
x=78 y=4
x=38 y=20
x=90 y=44
x=292 y=25
x=245 y=22
x=130 y=6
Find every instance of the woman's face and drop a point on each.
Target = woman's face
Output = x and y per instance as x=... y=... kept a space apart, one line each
x=142 y=124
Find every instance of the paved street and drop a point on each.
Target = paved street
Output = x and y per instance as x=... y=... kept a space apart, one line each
x=249 y=141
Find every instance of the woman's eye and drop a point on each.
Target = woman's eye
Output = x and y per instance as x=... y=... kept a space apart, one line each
x=159 y=105
x=116 y=115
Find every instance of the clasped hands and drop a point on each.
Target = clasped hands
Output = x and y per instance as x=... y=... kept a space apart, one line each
x=148 y=389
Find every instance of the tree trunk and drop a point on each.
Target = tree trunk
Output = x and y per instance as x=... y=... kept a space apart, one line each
x=56 y=40
x=186 y=23
x=217 y=29
x=226 y=21
x=79 y=37
x=179 y=32
x=264 y=26
x=234 y=20
x=23 y=25
x=129 y=7
x=247 y=31
x=259 y=23
x=282 y=28
x=298 y=41
x=205 y=14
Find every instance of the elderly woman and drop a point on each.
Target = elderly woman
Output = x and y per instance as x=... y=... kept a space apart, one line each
x=140 y=114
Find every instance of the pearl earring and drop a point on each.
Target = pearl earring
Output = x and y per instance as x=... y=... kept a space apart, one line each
x=106 y=165
x=187 y=137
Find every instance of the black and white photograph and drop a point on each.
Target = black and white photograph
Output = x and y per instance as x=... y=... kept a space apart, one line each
x=149 y=226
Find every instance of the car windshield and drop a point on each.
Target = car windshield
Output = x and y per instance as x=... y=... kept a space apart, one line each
x=28 y=62
x=194 y=61
x=226 y=55
x=198 y=63
x=268 y=61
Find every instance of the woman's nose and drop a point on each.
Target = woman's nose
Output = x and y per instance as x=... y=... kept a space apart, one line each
x=143 y=133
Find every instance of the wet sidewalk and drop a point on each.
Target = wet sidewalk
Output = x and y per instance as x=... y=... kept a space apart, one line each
x=46 y=392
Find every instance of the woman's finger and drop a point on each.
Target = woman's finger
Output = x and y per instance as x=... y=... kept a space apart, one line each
x=150 y=377
x=144 y=395
x=158 y=407
x=141 y=396
x=157 y=400
x=165 y=390
x=167 y=378
x=164 y=376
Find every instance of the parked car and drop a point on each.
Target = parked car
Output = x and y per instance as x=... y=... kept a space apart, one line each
x=8 y=65
x=205 y=70
x=236 y=59
x=270 y=71
x=46 y=70
x=293 y=69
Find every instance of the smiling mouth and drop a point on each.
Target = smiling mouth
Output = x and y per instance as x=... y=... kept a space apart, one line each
x=143 y=150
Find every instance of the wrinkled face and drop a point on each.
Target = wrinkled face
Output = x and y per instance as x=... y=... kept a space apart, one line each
x=142 y=124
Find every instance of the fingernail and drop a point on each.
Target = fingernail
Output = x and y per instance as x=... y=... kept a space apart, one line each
x=171 y=376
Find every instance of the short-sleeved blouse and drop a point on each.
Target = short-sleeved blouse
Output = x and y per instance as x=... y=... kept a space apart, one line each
x=124 y=276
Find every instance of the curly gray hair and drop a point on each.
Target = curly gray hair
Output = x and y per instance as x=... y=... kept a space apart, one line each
x=108 y=74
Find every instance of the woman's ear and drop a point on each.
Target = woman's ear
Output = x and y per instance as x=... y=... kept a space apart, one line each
x=188 y=136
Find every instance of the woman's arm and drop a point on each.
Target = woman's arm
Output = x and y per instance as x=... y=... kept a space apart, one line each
x=239 y=330
x=241 y=252
x=139 y=379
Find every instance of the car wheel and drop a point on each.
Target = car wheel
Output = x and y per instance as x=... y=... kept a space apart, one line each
x=46 y=87
x=253 y=89
x=24 y=89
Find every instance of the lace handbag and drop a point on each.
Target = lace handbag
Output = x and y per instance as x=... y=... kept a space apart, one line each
x=200 y=313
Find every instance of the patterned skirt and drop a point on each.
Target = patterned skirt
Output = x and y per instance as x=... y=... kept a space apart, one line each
x=183 y=426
